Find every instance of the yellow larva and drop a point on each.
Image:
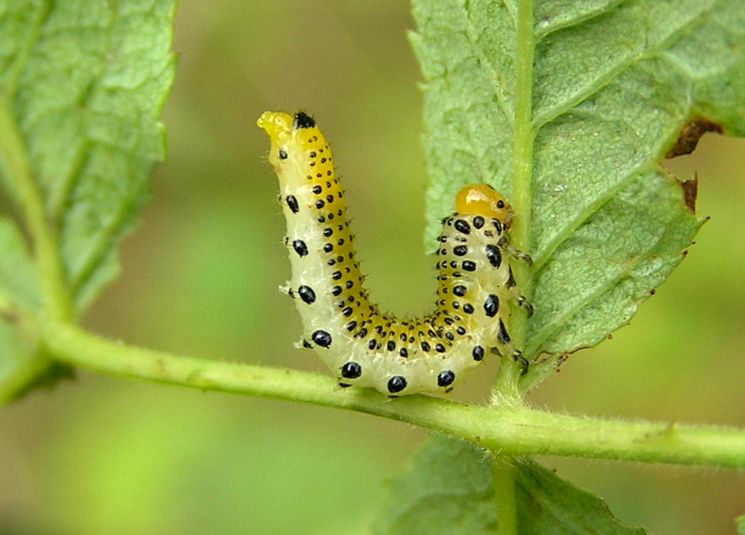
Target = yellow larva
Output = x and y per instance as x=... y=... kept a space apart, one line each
x=361 y=344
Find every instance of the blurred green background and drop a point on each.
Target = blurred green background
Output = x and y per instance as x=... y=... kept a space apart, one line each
x=200 y=276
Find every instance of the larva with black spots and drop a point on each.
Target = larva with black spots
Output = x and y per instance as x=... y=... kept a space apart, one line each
x=361 y=344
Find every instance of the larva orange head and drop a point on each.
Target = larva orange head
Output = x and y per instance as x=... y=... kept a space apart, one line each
x=483 y=200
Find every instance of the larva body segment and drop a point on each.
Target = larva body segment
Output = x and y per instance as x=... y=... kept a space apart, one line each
x=362 y=345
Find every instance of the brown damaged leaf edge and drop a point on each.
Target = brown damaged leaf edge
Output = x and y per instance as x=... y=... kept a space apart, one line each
x=690 y=135
x=690 y=192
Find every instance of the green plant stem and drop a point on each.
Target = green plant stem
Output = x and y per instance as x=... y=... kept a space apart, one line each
x=507 y=429
x=503 y=477
x=51 y=275
x=522 y=177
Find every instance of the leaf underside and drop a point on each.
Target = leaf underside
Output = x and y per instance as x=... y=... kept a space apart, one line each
x=613 y=85
x=447 y=488
x=83 y=83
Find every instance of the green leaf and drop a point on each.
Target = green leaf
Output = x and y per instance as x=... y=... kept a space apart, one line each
x=613 y=84
x=18 y=282
x=85 y=81
x=447 y=488
x=19 y=293
x=740 y=524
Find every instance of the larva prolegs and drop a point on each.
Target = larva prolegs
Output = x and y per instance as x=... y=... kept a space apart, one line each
x=361 y=344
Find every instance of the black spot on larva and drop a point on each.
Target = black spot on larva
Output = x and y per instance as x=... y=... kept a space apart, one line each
x=292 y=203
x=282 y=154
x=327 y=232
x=347 y=311
x=348 y=285
x=425 y=346
x=494 y=255
x=468 y=265
x=468 y=308
x=329 y=198
x=478 y=221
x=303 y=120
x=461 y=225
x=460 y=330
x=331 y=262
x=460 y=250
x=503 y=335
x=336 y=275
x=351 y=370
x=445 y=378
x=459 y=290
x=403 y=352
x=396 y=384
x=317 y=189
x=306 y=344
x=391 y=345
x=320 y=204
x=328 y=247
x=449 y=336
x=439 y=348
x=312 y=154
x=477 y=353
x=307 y=294
x=362 y=333
x=497 y=225
x=300 y=248
x=351 y=325
x=336 y=290
x=322 y=338
x=372 y=343
x=491 y=305
x=500 y=204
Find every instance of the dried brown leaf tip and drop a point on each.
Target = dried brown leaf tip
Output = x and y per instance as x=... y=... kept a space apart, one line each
x=690 y=192
x=689 y=136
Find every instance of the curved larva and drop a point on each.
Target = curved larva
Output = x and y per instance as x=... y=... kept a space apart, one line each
x=358 y=342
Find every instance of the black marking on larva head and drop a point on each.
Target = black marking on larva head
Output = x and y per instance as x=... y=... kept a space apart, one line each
x=396 y=384
x=292 y=204
x=322 y=338
x=282 y=154
x=307 y=294
x=300 y=248
x=351 y=370
x=303 y=120
x=459 y=290
x=477 y=353
x=498 y=225
x=462 y=226
x=445 y=378
x=478 y=222
x=468 y=265
x=494 y=255
x=460 y=250
x=491 y=305
x=503 y=335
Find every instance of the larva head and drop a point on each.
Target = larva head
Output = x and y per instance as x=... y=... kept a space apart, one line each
x=483 y=200
x=291 y=139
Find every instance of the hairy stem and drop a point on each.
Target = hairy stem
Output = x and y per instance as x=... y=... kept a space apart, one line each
x=522 y=176
x=509 y=429
x=503 y=477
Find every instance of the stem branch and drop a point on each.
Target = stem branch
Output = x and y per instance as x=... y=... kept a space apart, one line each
x=504 y=429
